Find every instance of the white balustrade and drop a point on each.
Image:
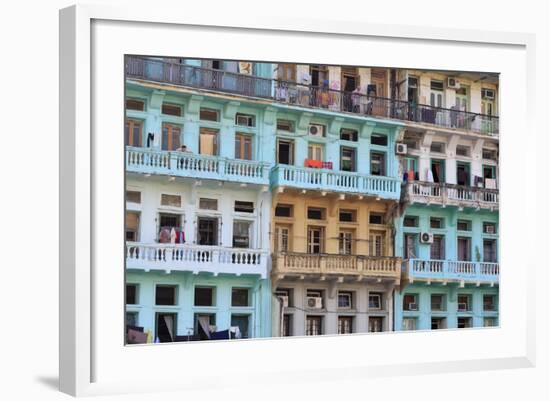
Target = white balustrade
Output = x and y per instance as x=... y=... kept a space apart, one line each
x=454 y=270
x=428 y=192
x=148 y=161
x=324 y=179
x=338 y=264
x=195 y=258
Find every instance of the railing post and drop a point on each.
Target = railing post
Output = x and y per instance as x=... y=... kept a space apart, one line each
x=221 y=167
x=322 y=263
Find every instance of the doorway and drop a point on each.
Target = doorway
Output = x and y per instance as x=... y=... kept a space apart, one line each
x=285 y=152
x=165 y=329
x=463 y=174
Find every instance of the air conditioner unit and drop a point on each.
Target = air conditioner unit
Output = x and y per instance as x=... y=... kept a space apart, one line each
x=401 y=148
x=284 y=300
x=487 y=94
x=316 y=130
x=462 y=307
x=314 y=302
x=453 y=83
x=246 y=121
x=413 y=306
x=489 y=229
x=426 y=238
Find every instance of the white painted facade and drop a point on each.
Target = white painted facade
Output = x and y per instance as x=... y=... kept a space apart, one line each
x=330 y=312
x=191 y=191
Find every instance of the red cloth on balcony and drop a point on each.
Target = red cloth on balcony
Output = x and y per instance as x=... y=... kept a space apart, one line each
x=313 y=163
x=326 y=165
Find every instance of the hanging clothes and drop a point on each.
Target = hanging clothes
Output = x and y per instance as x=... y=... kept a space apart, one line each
x=411 y=175
x=164 y=235
x=429 y=175
x=150 y=139
x=173 y=235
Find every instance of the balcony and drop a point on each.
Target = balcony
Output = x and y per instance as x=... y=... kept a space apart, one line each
x=449 y=271
x=308 y=96
x=330 y=180
x=181 y=164
x=451 y=194
x=196 y=259
x=321 y=265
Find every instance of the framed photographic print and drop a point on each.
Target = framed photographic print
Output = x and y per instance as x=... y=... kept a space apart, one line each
x=230 y=204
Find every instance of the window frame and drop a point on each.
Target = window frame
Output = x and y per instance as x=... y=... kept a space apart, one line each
x=241 y=140
x=212 y=296
x=129 y=126
x=175 y=289
x=171 y=138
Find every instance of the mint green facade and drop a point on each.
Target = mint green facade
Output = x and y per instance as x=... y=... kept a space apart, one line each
x=450 y=277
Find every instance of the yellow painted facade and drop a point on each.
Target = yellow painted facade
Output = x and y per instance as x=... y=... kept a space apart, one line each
x=365 y=238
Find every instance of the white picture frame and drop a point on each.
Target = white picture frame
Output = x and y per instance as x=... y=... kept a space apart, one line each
x=92 y=363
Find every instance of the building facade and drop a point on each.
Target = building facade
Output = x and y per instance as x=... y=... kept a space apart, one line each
x=280 y=199
x=197 y=218
x=448 y=228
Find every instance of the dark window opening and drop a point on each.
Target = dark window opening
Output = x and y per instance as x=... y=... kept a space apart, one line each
x=347 y=215
x=166 y=328
x=131 y=294
x=207 y=231
x=244 y=207
x=381 y=140
x=315 y=213
x=283 y=210
x=348 y=159
x=285 y=152
x=239 y=297
x=348 y=135
x=376 y=218
x=204 y=296
x=410 y=221
x=243 y=323
x=165 y=295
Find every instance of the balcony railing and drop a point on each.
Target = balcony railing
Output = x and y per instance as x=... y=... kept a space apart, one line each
x=444 y=270
x=196 y=259
x=341 y=265
x=330 y=180
x=307 y=95
x=451 y=194
x=182 y=164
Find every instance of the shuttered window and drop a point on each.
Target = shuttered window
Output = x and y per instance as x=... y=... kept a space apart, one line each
x=133 y=132
x=135 y=104
x=376 y=244
x=170 y=137
x=243 y=147
x=171 y=109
